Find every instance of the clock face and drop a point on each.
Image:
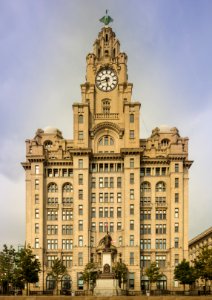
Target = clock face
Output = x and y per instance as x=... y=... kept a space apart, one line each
x=106 y=80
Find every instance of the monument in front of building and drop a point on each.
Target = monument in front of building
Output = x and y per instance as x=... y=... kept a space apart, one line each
x=106 y=283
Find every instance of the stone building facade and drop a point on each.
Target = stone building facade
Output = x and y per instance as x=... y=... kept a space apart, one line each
x=107 y=179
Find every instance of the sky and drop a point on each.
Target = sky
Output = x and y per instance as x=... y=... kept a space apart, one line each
x=44 y=44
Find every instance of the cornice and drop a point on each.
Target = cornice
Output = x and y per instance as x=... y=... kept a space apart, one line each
x=125 y=151
x=109 y=156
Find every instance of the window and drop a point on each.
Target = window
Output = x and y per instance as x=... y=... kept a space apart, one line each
x=93 y=182
x=118 y=182
x=131 y=118
x=118 y=212
x=119 y=226
x=131 y=209
x=176 y=197
x=106 y=141
x=145 y=228
x=164 y=142
x=148 y=171
x=101 y=185
x=131 y=194
x=120 y=240
x=80 y=194
x=176 y=227
x=163 y=171
x=176 y=168
x=145 y=261
x=36 y=243
x=100 y=212
x=79 y=281
x=93 y=197
x=52 y=244
x=36 y=169
x=111 y=197
x=176 y=212
x=36 y=228
x=52 y=188
x=131 y=178
x=161 y=214
x=160 y=201
x=80 y=210
x=157 y=171
x=52 y=214
x=176 y=259
x=106 y=212
x=111 y=227
x=101 y=227
x=80 y=179
x=119 y=197
x=100 y=197
x=176 y=242
x=93 y=226
x=145 y=214
x=145 y=201
x=111 y=212
x=50 y=260
x=67 y=229
x=67 y=200
x=160 y=244
x=131 y=224
x=106 y=197
x=52 y=229
x=36 y=199
x=93 y=212
x=80 y=225
x=131 y=240
x=160 y=187
x=161 y=261
x=111 y=182
x=80 y=163
x=106 y=182
x=145 y=244
x=36 y=213
x=106 y=106
x=67 y=244
x=131 y=258
x=36 y=184
x=56 y=172
x=80 y=241
x=145 y=187
x=132 y=134
x=176 y=182
x=80 y=119
x=160 y=229
x=52 y=200
x=80 y=259
x=80 y=135
x=67 y=214
x=67 y=261
x=131 y=281
x=131 y=163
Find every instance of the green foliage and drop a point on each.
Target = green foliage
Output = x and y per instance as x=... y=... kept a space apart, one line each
x=27 y=267
x=7 y=259
x=153 y=273
x=90 y=273
x=58 y=270
x=184 y=273
x=121 y=271
x=203 y=264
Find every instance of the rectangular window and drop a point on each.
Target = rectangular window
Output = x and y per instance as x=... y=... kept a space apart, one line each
x=50 y=260
x=36 y=169
x=36 y=199
x=56 y=173
x=148 y=171
x=106 y=197
x=100 y=197
x=36 y=228
x=131 y=194
x=80 y=259
x=131 y=258
x=106 y=182
x=80 y=225
x=131 y=118
x=67 y=244
x=118 y=212
x=176 y=259
x=176 y=183
x=111 y=182
x=106 y=212
x=80 y=163
x=176 y=227
x=100 y=212
x=142 y=171
x=101 y=227
x=36 y=184
x=160 y=214
x=131 y=163
x=145 y=244
x=80 y=135
x=93 y=197
x=67 y=229
x=67 y=261
x=131 y=224
x=93 y=212
x=118 y=182
x=52 y=244
x=161 y=261
x=36 y=243
x=101 y=185
x=145 y=261
x=93 y=182
x=111 y=212
x=176 y=212
x=145 y=228
x=176 y=242
x=131 y=209
x=160 y=244
x=111 y=227
x=131 y=178
x=111 y=197
x=80 y=210
x=93 y=226
x=160 y=229
x=119 y=226
x=80 y=194
x=80 y=179
x=80 y=241
x=67 y=214
x=131 y=281
x=131 y=240
x=36 y=213
x=176 y=197
x=145 y=214
x=157 y=171
x=163 y=171
x=132 y=135
x=176 y=168
x=119 y=197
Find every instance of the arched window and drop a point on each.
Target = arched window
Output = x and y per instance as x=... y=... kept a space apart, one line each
x=145 y=187
x=80 y=119
x=160 y=186
x=50 y=282
x=106 y=106
x=66 y=282
x=131 y=118
x=144 y=283
x=52 y=187
x=48 y=144
x=162 y=283
x=165 y=142
x=106 y=141
x=67 y=188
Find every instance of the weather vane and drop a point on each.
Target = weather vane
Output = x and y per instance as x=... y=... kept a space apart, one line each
x=106 y=19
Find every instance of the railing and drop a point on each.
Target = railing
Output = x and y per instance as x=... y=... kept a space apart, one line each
x=110 y=116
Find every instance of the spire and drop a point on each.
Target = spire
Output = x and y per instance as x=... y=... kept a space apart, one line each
x=106 y=19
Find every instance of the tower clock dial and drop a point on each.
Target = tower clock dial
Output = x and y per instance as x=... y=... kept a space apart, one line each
x=106 y=80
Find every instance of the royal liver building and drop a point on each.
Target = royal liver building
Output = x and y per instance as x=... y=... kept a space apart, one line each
x=107 y=179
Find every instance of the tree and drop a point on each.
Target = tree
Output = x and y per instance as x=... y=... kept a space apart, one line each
x=203 y=264
x=121 y=271
x=153 y=273
x=90 y=273
x=184 y=273
x=58 y=270
x=27 y=267
x=7 y=264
